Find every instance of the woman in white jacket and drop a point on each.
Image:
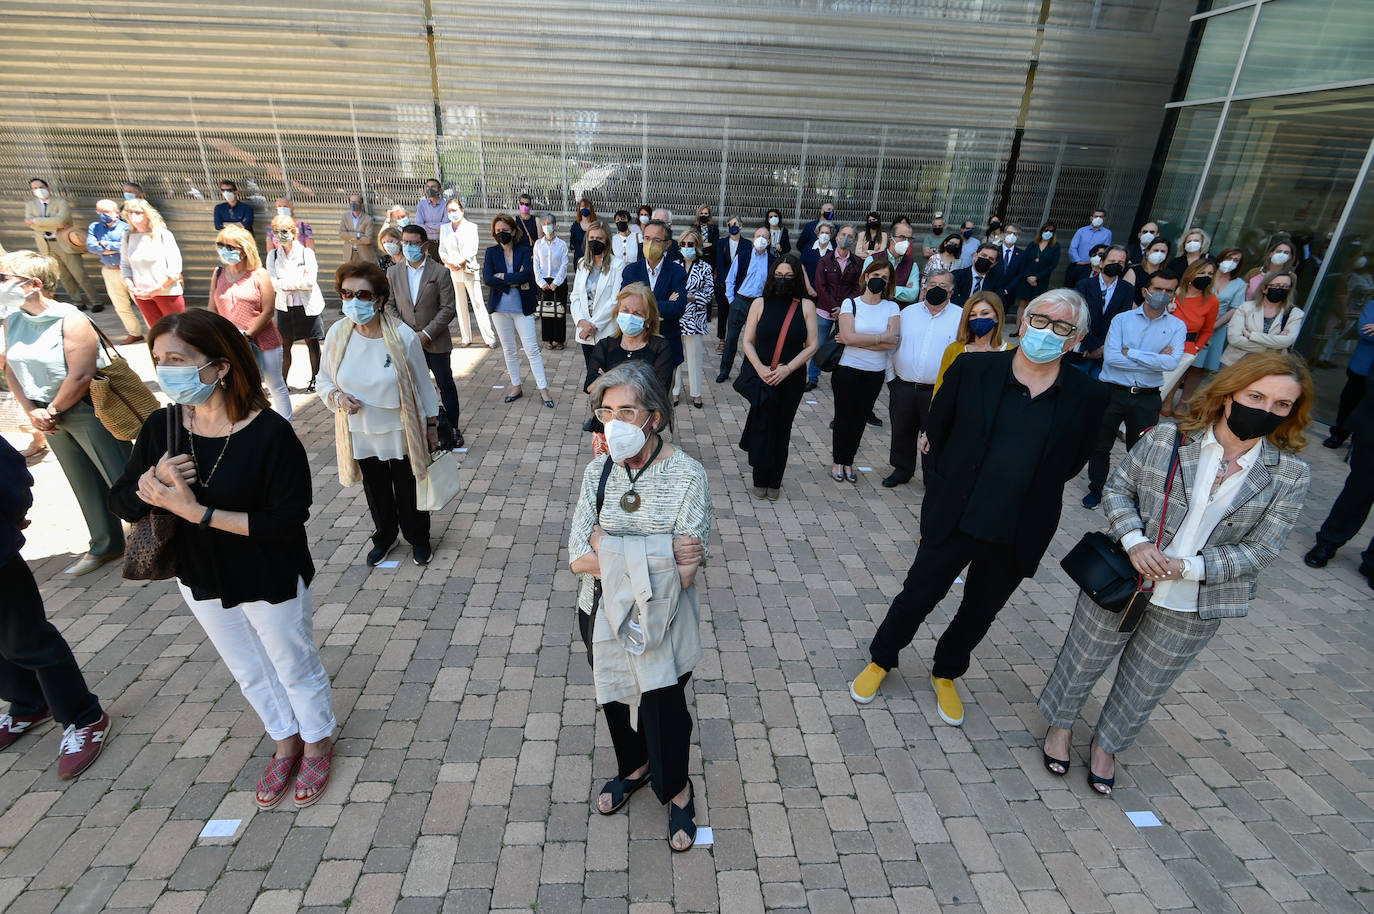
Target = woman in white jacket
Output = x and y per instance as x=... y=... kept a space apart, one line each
x=300 y=303
x=592 y=302
x=461 y=253
x=1269 y=322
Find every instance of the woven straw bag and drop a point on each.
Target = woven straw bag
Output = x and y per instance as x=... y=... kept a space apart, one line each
x=122 y=401
x=148 y=550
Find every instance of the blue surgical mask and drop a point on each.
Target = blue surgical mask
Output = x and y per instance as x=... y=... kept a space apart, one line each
x=358 y=311
x=130 y=196
x=403 y=221
x=630 y=324
x=689 y=252
x=107 y=218
x=981 y=326
x=1042 y=346
x=413 y=252
x=183 y=384
x=229 y=255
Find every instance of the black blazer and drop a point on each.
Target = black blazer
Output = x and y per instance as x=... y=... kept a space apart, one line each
x=742 y=259
x=1123 y=299
x=963 y=284
x=521 y=278
x=961 y=418
x=1013 y=271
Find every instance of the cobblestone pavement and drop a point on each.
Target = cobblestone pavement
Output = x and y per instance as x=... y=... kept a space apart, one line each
x=470 y=742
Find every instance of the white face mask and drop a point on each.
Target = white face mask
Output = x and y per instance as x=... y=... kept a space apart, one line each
x=899 y=248
x=1097 y=222
x=1095 y=260
x=1147 y=237
x=42 y=193
x=643 y=220
x=624 y=440
x=1156 y=257
x=548 y=230
x=1360 y=263
x=455 y=216
x=1279 y=259
x=760 y=244
x=1046 y=236
x=1011 y=238
x=774 y=221
x=1228 y=266
x=1193 y=247
x=283 y=211
x=824 y=239
x=228 y=195
x=11 y=297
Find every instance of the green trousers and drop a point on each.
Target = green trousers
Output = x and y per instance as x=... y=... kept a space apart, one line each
x=93 y=459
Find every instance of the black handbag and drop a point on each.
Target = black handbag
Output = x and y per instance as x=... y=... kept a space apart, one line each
x=747 y=383
x=830 y=352
x=1100 y=566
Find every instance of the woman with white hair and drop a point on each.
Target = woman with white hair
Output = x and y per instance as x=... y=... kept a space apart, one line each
x=151 y=262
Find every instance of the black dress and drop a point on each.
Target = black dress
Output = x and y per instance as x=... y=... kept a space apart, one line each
x=768 y=429
x=608 y=353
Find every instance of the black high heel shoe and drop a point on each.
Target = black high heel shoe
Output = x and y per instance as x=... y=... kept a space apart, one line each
x=1100 y=785
x=1051 y=761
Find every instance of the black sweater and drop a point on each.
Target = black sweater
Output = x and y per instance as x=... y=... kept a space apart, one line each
x=264 y=473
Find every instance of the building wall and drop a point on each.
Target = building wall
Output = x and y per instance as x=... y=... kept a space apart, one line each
x=906 y=107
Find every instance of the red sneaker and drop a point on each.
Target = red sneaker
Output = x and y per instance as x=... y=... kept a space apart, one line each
x=11 y=728
x=81 y=746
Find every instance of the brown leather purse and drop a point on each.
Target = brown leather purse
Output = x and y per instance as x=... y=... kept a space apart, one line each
x=149 y=553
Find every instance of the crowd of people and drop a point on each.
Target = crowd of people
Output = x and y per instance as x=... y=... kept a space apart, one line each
x=1002 y=385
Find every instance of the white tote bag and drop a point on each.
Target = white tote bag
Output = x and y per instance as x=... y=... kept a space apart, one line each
x=440 y=483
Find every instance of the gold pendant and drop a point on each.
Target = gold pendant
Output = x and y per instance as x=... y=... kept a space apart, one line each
x=630 y=501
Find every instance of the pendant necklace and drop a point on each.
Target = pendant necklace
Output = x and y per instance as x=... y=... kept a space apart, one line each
x=630 y=500
x=191 y=446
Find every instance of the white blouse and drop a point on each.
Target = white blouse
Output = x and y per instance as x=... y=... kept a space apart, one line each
x=147 y=261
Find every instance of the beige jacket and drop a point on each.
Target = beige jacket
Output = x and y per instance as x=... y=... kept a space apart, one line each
x=357 y=243
x=59 y=217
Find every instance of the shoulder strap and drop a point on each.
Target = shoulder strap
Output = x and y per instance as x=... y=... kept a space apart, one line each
x=782 y=334
x=601 y=487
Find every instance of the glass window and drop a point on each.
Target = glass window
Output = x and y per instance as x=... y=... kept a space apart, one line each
x=1183 y=170
x=1217 y=54
x=1309 y=43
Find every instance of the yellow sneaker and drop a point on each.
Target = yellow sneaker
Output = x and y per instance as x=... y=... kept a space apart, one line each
x=865 y=685
x=949 y=705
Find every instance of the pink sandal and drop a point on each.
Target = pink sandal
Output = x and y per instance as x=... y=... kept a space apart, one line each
x=275 y=780
x=314 y=776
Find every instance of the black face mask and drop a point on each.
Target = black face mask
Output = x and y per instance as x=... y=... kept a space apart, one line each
x=936 y=296
x=783 y=285
x=827 y=216
x=1113 y=270
x=982 y=264
x=1275 y=295
x=937 y=229
x=596 y=246
x=877 y=285
x=953 y=249
x=504 y=237
x=704 y=220
x=622 y=226
x=1248 y=423
x=1202 y=283
x=968 y=233
x=872 y=226
x=734 y=230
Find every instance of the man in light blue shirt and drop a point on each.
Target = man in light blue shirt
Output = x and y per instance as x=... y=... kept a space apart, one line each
x=105 y=239
x=1084 y=240
x=432 y=213
x=1142 y=345
x=740 y=292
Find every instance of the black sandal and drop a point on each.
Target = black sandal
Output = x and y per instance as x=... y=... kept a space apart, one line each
x=683 y=819
x=513 y=397
x=1051 y=761
x=620 y=789
x=1100 y=785
x=850 y=476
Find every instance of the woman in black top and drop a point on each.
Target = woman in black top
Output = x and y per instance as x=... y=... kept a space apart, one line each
x=768 y=428
x=240 y=485
x=634 y=336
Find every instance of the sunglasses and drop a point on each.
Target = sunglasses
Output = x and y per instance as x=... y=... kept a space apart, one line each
x=360 y=295
x=6 y=277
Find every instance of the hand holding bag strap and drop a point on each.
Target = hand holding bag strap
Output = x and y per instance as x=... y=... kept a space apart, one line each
x=1134 y=610
x=782 y=334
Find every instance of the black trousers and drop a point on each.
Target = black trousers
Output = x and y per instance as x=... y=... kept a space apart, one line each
x=739 y=313
x=442 y=370
x=37 y=669
x=1351 y=507
x=855 y=391
x=390 y=489
x=722 y=314
x=1139 y=411
x=555 y=329
x=663 y=739
x=1351 y=394
x=990 y=581
x=909 y=406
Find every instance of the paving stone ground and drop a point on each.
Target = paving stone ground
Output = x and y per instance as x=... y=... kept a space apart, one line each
x=470 y=742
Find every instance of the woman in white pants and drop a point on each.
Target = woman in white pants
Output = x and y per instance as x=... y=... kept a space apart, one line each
x=508 y=272
x=238 y=482
x=458 y=249
x=695 y=321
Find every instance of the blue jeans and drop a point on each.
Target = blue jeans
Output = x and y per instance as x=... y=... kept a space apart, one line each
x=825 y=329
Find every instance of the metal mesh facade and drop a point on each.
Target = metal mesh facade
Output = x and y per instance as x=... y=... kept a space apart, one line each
x=904 y=107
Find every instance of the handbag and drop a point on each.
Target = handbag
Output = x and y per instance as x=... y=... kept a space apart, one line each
x=748 y=384
x=548 y=304
x=831 y=351
x=1101 y=567
x=148 y=551
x=440 y=483
x=122 y=401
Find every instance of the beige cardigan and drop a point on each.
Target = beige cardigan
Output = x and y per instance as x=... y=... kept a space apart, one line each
x=1250 y=317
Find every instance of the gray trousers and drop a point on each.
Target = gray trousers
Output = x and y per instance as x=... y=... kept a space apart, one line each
x=92 y=459
x=1154 y=656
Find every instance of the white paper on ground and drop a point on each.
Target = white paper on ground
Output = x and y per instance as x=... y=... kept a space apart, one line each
x=1144 y=819
x=705 y=837
x=498 y=387
x=220 y=828
x=959 y=580
x=864 y=469
x=391 y=564
x=460 y=450
x=71 y=570
x=811 y=402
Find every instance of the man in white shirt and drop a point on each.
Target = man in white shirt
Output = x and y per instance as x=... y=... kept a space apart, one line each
x=928 y=327
x=458 y=249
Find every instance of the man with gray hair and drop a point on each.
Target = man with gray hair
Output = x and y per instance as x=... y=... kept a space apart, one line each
x=1007 y=431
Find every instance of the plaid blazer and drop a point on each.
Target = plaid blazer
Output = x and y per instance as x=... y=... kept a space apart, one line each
x=1249 y=537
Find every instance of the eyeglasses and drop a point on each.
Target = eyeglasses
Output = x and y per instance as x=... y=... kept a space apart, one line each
x=1065 y=329
x=624 y=414
x=228 y=247
x=360 y=295
x=6 y=277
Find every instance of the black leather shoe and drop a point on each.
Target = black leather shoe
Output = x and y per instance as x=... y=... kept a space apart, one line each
x=458 y=441
x=1368 y=572
x=422 y=554
x=1092 y=499
x=722 y=377
x=810 y=386
x=875 y=421
x=378 y=554
x=1336 y=440
x=895 y=480
x=1319 y=555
